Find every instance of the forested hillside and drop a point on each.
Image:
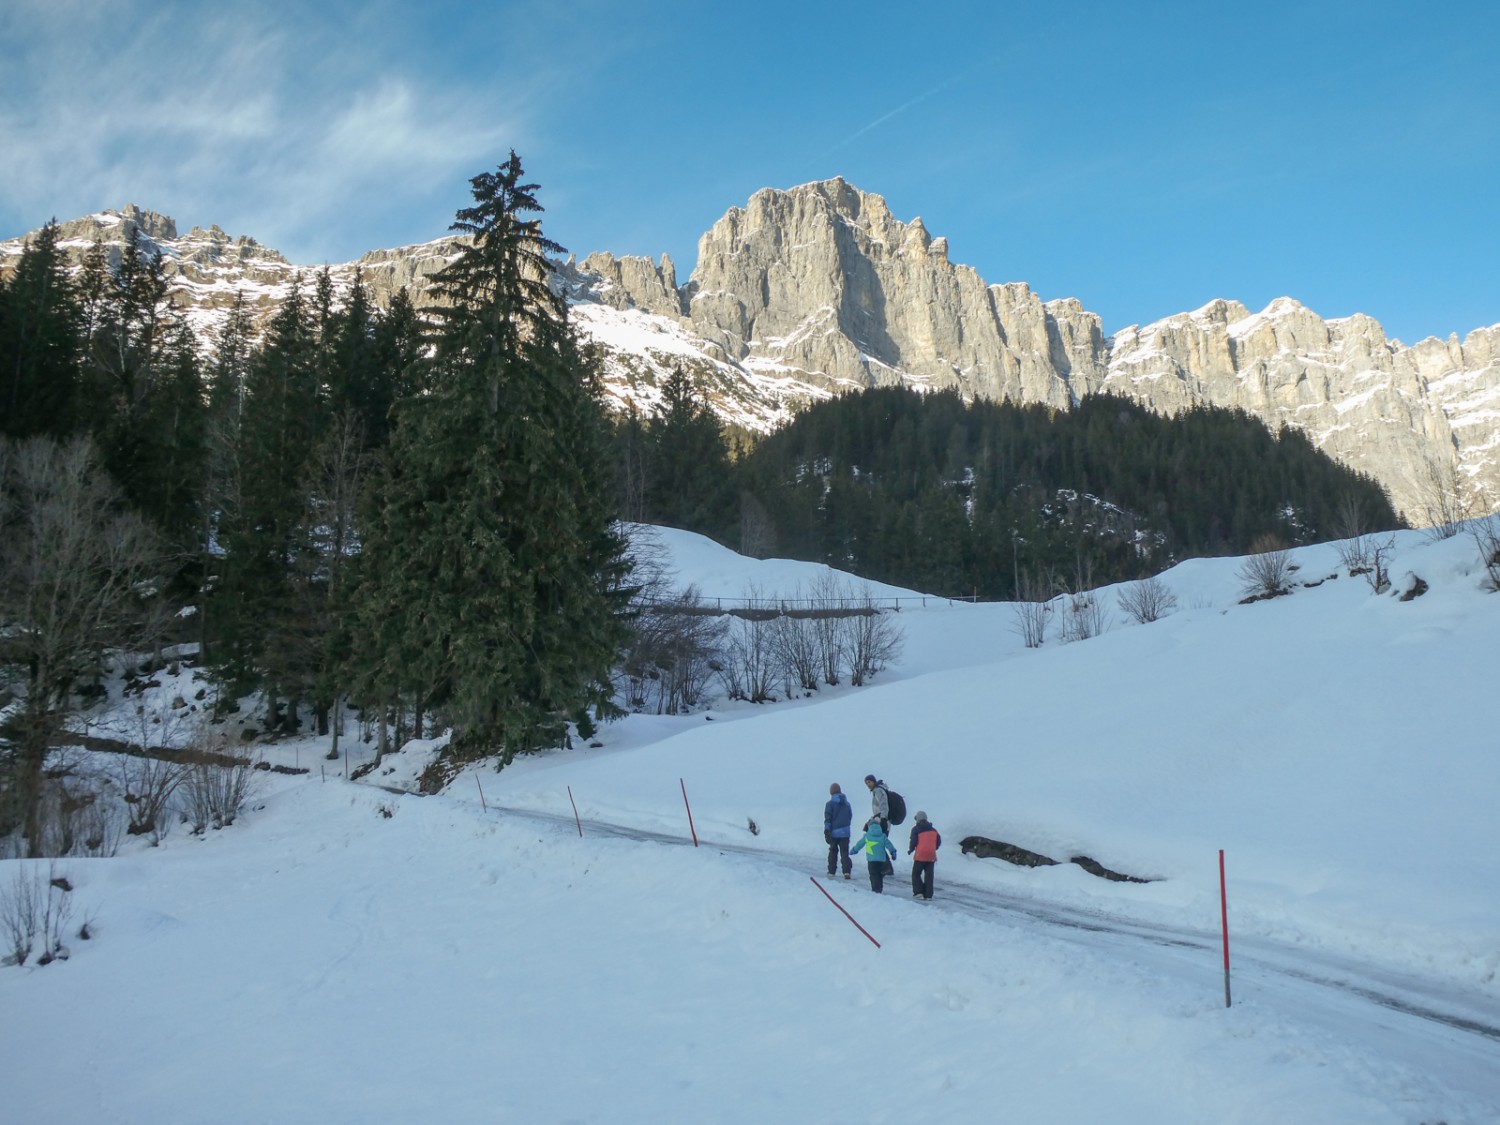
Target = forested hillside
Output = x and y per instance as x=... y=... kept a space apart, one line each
x=929 y=492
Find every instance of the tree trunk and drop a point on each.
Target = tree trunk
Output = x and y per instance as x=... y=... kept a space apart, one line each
x=323 y=722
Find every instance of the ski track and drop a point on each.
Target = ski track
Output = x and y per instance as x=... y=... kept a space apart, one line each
x=1433 y=1028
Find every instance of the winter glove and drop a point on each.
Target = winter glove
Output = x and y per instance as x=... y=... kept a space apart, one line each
x=828 y=837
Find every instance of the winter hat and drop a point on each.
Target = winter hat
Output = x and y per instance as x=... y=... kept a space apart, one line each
x=869 y=777
x=921 y=815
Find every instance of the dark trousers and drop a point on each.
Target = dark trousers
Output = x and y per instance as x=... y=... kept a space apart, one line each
x=921 y=877
x=838 y=851
x=879 y=869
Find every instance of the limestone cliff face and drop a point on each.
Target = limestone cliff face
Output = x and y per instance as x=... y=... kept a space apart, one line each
x=819 y=290
x=823 y=279
x=823 y=285
x=1415 y=418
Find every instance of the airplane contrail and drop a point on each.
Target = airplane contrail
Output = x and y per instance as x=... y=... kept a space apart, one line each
x=902 y=108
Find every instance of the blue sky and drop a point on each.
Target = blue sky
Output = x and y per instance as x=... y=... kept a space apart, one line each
x=1144 y=158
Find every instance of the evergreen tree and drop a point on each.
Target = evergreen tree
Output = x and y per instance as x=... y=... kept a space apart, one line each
x=174 y=441
x=399 y=364
x=493 y=560
x=687 y=479
x=39 y=352
x=259 y=607
x=127 y=316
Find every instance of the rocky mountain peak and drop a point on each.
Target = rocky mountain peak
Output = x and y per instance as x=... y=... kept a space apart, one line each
x=819 y=289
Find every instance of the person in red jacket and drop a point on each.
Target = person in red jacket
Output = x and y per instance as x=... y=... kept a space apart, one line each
x=925 y=842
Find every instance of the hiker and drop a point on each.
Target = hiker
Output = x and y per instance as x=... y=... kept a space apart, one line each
x=925 y=841
x=880 y=804
x=838 y=816
x=877 y=846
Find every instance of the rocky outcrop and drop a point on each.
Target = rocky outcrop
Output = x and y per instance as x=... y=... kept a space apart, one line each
x=634 y=283
x=819 y=290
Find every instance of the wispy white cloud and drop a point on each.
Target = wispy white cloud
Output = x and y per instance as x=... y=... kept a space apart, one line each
x=262 y=121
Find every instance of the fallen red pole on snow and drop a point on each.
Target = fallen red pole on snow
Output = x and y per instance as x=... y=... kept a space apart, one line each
x=691 y=829
x=575 y=810
x=845 y=913
x=1224 y=922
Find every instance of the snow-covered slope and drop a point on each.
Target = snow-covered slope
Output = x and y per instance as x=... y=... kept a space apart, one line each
x=347 y=953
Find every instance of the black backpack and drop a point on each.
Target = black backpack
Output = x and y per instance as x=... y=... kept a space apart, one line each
x=896 y=804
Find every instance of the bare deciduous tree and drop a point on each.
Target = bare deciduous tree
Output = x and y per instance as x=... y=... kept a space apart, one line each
x=875 y=641
x=1445 y=502
x=78 y=577
x=675 y=643
x=1486 y=534
x=671 y=654
x=1377 y=568
x=757 y=530
x=796 y=640
x=830 y=628
x=1147 y=600
x=750 y=668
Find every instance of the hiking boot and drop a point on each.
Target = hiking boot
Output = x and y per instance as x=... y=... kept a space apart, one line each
x=847 y=875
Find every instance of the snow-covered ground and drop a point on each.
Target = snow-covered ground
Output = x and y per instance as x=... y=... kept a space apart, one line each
x=345 y=953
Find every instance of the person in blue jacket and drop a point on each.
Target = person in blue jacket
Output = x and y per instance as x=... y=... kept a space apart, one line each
x=879 y=853
x=838 y=815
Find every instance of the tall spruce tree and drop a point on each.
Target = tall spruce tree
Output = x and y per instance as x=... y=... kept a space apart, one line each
x=687 y=466
x=260 y=627
x=492 y=570
x=39 y=351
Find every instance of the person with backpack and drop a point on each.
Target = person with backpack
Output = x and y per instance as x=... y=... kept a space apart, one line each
x=885 y=803
x=877 y=846
x=880 y=803
x=838 y=817
x=925 y=841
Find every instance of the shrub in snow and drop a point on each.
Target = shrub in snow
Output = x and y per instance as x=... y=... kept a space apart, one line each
x=1147 y=600
x=1267 y=572
x=1032 y=609
x=1486 y=534
x=215 y=790
x=34 y=910
x=1084 y=616
x=148 y=784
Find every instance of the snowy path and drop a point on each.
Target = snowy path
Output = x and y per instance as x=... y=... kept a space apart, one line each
x=1448 y=1036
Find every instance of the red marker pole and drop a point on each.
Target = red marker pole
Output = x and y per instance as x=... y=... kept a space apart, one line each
x=691 y=829
x=575 y=811
x=842 y=911
x=1224 y=922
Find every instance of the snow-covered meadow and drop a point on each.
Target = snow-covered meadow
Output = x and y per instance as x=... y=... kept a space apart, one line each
x=345 y=952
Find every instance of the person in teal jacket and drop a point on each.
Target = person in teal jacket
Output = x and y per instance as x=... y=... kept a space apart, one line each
x=879 y=852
